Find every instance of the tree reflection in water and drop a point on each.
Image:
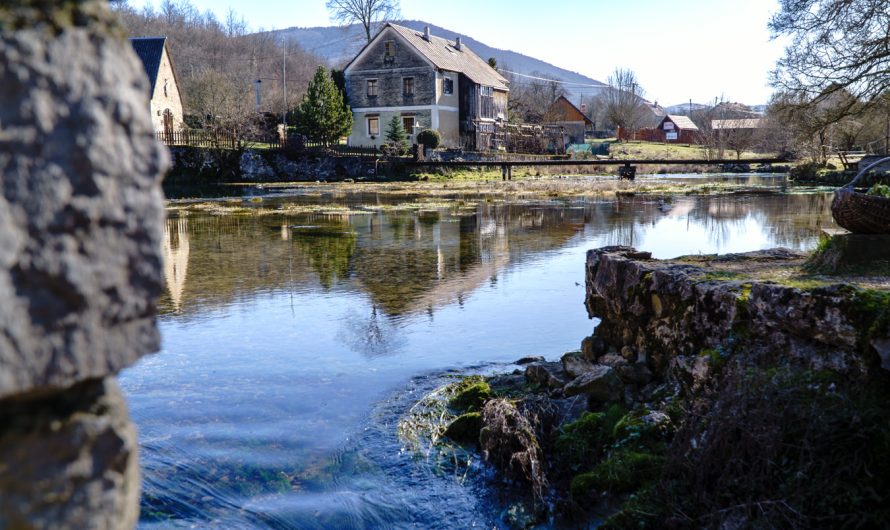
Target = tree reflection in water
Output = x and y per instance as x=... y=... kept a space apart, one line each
x=374 y=336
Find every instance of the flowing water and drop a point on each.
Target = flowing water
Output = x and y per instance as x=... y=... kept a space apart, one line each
x=292 y=344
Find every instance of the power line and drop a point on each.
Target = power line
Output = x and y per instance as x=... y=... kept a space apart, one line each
x=560 y=81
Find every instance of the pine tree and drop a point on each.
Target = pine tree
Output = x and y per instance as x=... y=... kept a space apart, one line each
x=322 y=115
x=396 y=137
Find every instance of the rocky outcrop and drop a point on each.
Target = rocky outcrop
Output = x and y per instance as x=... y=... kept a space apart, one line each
x=660 y=311
x=80 y=267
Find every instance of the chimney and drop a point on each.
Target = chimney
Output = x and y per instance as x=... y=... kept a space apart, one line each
x=426 y=34
x=457 y=44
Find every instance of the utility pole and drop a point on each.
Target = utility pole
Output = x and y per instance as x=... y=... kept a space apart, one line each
x=259 y=101
x=284 y=80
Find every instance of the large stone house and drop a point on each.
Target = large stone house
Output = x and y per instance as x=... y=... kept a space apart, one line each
x=429 y=83
x=165 y=103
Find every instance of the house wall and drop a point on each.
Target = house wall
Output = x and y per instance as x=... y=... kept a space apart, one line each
x=162 y=100
x=360 y=137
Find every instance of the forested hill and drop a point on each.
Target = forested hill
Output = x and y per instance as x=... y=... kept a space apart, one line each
x=340 y=44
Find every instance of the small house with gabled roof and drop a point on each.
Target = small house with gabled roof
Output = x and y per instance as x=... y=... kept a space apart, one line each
x=165 y=101
x=573 y=121
x=677 y=129
x=428 y=82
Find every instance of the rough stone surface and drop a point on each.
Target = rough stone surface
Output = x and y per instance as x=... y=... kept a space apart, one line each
x=576 y=365
x=600 y=384
x=80 y=210
x=81 y=213
x=550 y=375
x=655 y=311
x=221 y=165
x=69 y=461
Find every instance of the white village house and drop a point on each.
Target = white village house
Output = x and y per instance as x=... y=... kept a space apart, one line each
x=165 y=103
x=429 y=83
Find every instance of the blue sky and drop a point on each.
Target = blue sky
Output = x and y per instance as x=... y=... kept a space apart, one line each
x=679 y=49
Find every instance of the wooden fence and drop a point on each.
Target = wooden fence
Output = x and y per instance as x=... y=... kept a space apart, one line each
x=227 y=140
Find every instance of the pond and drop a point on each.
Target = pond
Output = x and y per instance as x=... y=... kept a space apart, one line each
x=293 y=343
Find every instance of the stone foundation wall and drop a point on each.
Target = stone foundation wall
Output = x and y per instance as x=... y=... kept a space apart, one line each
x=226 y=165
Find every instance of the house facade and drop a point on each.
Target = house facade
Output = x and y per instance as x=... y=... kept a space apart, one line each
x=165 y=101
x=427 y=82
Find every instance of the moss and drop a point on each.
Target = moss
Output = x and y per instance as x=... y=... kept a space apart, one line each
x=588 y=438
x=465 y=428
x=623 y=472
x=470 y=394
x=871 y=311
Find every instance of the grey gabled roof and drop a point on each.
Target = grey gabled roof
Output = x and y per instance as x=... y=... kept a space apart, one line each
x=445 y=56
x=149 y=50
x=743 y=123
x=682 y=122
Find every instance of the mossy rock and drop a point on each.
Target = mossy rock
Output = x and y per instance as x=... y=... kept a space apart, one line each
x=470 y=394
x=584 y=440
x=642 y=430
x=623 y=472
x=465 y=428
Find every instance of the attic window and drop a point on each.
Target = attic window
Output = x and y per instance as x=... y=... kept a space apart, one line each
x=448 y=86
x=390 y=49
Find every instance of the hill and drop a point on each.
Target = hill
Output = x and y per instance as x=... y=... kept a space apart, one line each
x=339 y=44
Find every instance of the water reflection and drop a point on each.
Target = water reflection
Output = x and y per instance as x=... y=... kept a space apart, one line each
x=176 y=259
x=292 y=343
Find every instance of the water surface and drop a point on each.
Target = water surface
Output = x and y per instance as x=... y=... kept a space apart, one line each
x=293 y=344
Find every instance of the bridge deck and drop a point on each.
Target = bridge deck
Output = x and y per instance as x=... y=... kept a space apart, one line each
x=594 y=162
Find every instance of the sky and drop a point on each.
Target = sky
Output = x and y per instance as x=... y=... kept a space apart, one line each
x=678 y=49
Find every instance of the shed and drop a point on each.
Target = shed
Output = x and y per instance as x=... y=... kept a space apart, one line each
x=574 y=122
x=676 y=129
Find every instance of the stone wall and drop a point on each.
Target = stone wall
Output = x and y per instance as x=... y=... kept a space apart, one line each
x=667 y=312
x=81 y=213
x=195 y=164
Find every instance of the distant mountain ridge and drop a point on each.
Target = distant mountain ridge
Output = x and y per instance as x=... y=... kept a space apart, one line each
x=339 y=44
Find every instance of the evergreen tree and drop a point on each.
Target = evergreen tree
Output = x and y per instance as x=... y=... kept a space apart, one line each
x=396 y=137
x=322 y=115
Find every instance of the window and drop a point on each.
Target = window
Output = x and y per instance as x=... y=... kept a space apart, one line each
x=408 y=86
x=374 y=126
x=486 y=100
x=448 y=86
x=372 y=88
x=408 y=124
x=390 y=47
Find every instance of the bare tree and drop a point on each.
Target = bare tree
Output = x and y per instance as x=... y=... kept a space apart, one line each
x=365 y=12
x=531 y=97
x=837 y=46
x=624 y=106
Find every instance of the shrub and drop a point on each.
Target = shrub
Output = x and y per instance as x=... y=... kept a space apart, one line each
x=429 y=138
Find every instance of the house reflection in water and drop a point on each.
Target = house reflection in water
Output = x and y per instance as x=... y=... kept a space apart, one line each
x=176 y=258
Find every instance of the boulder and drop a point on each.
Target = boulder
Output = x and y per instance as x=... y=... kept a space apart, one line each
x=600 y=384
x=551 y=375
x=575 y=365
